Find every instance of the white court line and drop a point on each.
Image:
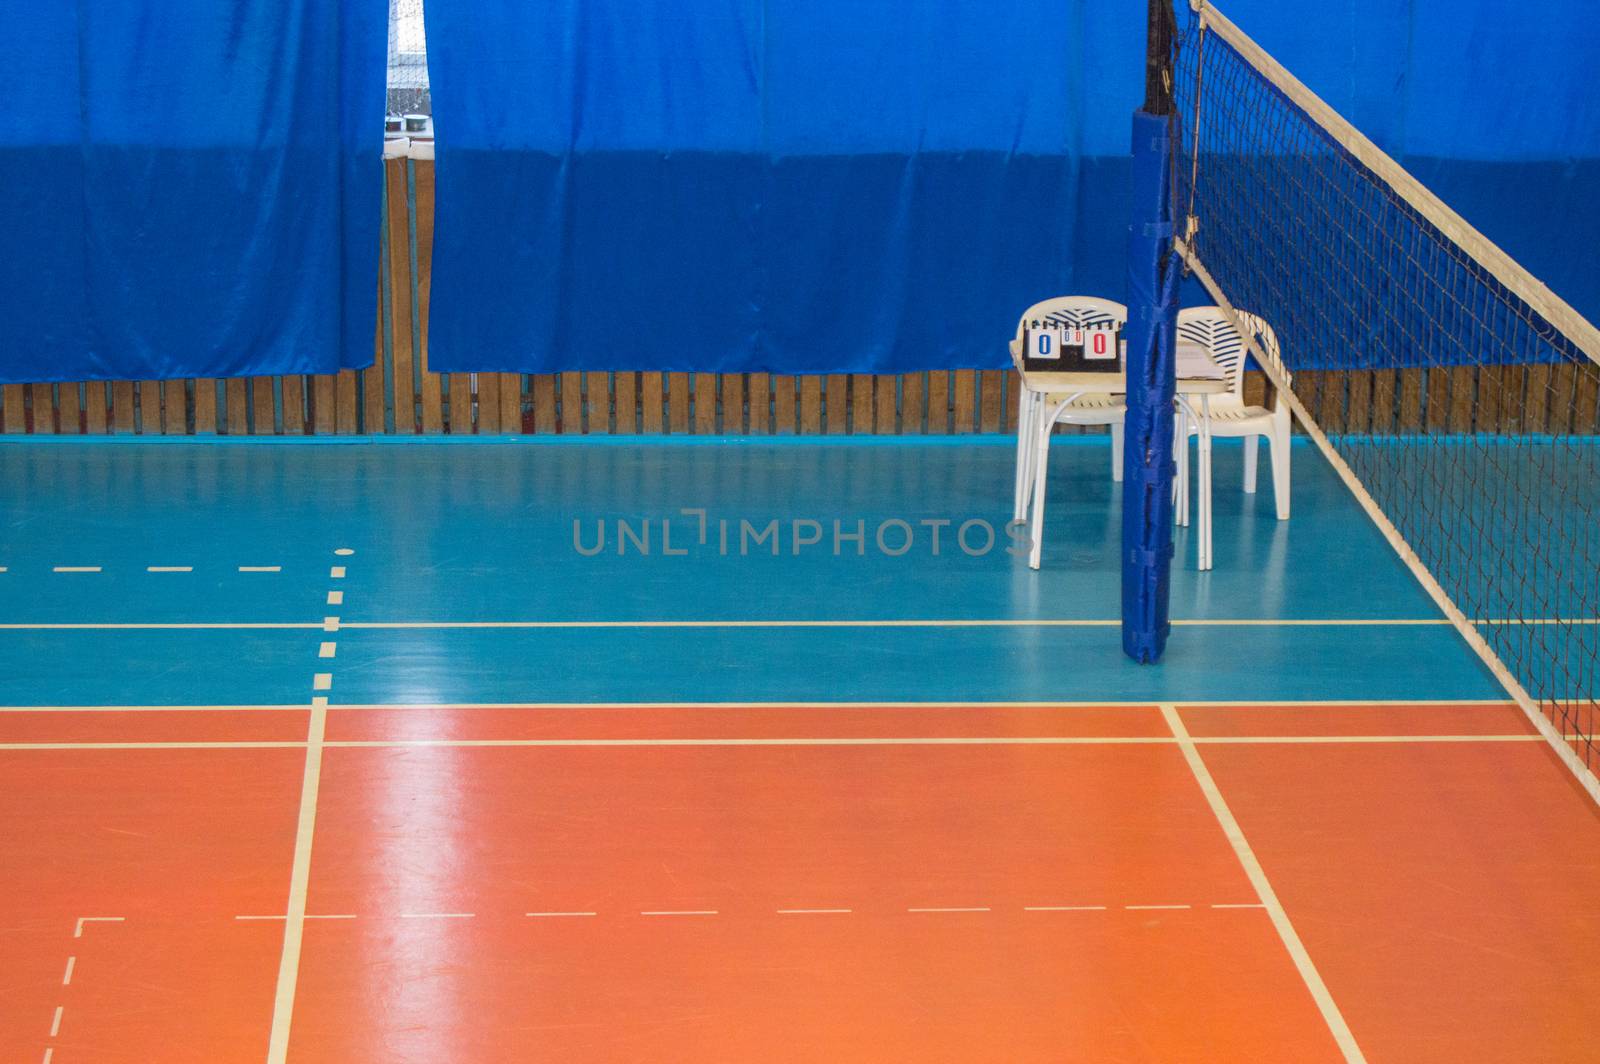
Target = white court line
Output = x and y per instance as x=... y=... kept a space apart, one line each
x=561 y=914
x=1269 y=898
x=261 y=568
x=817 y=704
x=336 y=573
x=55 y=1024
x=985 y=740
x=336 y=598
x=1063 y=908
x=76 y=569
x=169 y=569
x=322 y=681
x=66 y=980
x=1003 y=622
x=320 y=703
x=327 y=650
x=299 y=883
x=49 y=1054
x=678 y=912
x=953 y=909
x=77 y=932
x=811 y=912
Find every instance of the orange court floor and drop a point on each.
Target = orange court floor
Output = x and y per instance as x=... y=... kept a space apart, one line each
x=1002 y=882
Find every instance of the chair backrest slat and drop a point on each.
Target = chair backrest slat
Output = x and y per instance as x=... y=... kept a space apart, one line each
x=1075 y=312
x=1210 y=328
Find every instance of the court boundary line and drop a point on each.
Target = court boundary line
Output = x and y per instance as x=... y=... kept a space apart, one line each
x=738 y=624
x=299 y=889
x=818 y=704
x=1257 y=875
x=294 y=923
x=323 y=744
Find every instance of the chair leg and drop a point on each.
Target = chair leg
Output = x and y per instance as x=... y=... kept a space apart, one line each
x=1019 y=495
x=1115 y=428
x=1180 y=444
x=1252 y=455
x=1041 y=462
x=1279 y=444
x=1207 y=511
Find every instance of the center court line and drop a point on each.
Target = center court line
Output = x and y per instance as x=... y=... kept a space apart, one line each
x=1269 y=898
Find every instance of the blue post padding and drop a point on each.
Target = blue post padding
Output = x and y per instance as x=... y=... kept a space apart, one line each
x=1148 y=465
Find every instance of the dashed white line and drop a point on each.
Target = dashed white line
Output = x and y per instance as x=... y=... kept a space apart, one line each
x=48 y=1053
x=327 y=650
x=337 y=572
x=953 y=909
x=66 y=980
x=322 y=681
x=76 y=569
x=678 y=912
x=1063 y=908
x=330 y=624
x=336 y=598
x=344 y=552
x=811 y=912
x=55 y=1024
x=261 y=568
x=77 y=932
x=169 y=568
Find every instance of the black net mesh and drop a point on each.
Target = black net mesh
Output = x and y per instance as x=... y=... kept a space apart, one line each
x=1469 y=419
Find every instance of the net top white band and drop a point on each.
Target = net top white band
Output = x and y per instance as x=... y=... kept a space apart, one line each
x=1506 y=270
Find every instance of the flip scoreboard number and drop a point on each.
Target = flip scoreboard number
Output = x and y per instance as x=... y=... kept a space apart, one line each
x=1072 y=350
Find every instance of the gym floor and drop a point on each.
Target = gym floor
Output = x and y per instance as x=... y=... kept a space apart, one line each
x=414 y=752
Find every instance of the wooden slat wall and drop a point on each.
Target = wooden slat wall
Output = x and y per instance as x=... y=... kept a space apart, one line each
x=400 y=393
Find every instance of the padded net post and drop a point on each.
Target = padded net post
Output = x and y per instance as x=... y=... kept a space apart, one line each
x=1148 y=465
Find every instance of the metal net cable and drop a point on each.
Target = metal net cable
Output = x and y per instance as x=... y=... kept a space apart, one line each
x=1466 y=415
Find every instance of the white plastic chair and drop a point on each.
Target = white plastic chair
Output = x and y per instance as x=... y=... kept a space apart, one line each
x=1210 y=328
x=1039 y=413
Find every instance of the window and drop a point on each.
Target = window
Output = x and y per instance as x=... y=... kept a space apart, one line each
x=408 y=60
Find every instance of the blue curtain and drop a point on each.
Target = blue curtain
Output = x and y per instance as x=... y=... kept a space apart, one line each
x=823 y=185
x=191 y=189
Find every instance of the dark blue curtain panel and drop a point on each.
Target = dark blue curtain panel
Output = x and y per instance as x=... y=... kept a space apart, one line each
x=190 y=188
x=806 y=187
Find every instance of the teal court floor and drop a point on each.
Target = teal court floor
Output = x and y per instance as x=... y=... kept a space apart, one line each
x=426 y=751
